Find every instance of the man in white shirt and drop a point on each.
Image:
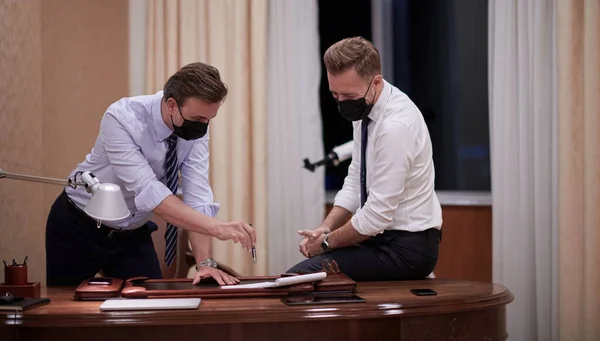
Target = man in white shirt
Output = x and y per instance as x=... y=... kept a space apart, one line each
x=386 y=220
x=142 y=145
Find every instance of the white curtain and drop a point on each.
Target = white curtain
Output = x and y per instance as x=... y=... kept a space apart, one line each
x=296 y=197
x=523 y=160
x=232 y=36
x=289 y=122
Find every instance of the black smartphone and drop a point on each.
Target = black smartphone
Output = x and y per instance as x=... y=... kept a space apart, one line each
x=99 y=281
x=423 y=292
x=321 y=299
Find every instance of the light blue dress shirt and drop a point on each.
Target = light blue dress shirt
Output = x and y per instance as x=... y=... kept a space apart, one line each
x=130 y=151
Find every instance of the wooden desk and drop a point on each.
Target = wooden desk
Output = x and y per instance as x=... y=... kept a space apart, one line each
x=462 y=310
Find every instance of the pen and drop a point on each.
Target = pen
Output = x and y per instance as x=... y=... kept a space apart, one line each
x=253 y=249
x=14 y=262
x=5 y=264
x=25 y=260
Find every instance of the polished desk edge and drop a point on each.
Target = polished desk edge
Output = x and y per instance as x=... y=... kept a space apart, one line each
x=271 y=310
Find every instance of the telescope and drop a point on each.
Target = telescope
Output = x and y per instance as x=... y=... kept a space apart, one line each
x=336 y=156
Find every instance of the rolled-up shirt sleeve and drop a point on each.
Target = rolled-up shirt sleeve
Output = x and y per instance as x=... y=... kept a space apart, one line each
x=197 y=192
x=393 y=151
x=130 y=165
x=349 y=196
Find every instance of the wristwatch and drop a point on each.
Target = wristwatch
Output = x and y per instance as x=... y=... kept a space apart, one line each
x=207 y=262
x=325 y=244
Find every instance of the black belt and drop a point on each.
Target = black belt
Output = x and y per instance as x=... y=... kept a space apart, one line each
x=430 y=232
x=110 y=232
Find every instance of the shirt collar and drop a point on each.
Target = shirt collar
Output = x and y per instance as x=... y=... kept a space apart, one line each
x=161 y=129
x=381 y=101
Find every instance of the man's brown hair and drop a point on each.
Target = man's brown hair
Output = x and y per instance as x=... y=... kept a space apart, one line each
x=349 y=52
x=197 y=80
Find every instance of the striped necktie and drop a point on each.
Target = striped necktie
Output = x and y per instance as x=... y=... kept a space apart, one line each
x=171 y=173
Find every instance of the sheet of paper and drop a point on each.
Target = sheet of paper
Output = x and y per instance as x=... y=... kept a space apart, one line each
x=314 y=277
x=280 y=282
x=250 y=286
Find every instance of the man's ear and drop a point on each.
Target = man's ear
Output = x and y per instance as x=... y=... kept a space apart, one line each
x=171 y=103
x=378 y=80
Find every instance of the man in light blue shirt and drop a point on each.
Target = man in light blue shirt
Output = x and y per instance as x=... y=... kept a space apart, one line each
x=143 y=143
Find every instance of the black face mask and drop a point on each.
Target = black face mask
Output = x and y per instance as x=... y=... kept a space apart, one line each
x=189 y=130
x=355 y=109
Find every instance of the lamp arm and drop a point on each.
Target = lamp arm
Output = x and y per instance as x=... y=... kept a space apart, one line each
x=87 y=179
x=106 y=204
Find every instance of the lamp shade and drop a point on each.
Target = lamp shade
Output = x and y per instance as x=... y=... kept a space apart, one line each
x=107 y=203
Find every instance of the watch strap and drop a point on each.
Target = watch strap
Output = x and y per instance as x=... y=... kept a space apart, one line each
x=325 y=243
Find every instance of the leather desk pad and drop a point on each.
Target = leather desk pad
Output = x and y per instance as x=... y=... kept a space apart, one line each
x=182 y=287
x=143 y=287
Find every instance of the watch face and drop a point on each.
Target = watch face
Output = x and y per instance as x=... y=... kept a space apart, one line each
x=208 y=262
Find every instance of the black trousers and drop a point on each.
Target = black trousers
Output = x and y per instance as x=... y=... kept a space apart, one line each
x=392 y=255
x=76 y=249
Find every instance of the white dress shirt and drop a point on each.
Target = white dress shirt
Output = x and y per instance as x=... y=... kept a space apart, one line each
x=130 y=151
x=400 y=172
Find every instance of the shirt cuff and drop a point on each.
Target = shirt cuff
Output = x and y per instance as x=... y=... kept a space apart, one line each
x=362 y=225
x=210 y=210
x=151 y=196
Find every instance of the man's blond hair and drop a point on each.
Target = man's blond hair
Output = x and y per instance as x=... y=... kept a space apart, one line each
x=355 y=52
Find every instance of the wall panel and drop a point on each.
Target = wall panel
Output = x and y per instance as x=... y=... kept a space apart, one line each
x=62 y=62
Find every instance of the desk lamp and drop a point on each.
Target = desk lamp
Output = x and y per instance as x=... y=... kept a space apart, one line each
x=107 y=202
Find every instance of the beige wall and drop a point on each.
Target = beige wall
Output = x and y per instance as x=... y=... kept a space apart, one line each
x=62 y=62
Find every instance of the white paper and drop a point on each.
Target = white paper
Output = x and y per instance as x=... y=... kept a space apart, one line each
x=250 y=286
x=280 y=282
